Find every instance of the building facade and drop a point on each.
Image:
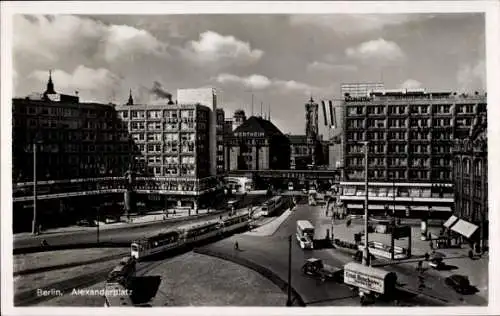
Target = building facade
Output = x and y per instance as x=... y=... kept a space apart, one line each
x=300 y=152
x=470 y=171
x=74 y=141
x=175 y=145
x=257 y=144
x=410 y=136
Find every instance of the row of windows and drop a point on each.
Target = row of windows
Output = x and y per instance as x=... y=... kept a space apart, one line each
x=159 y=114
x=414 y=109
x=169 y=148
x=65 y=112
x=156 y=126
x=438 y=135
x=400 y=162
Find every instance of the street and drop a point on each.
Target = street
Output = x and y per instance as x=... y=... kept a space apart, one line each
x=271 y=252
x=123 y=234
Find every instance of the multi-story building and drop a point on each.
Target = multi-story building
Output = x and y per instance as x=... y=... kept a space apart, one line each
x=410 y=135
x=74 y=140
x=470 y=171
x=221 y=165
x=178 y=144
x=360 y=89
x=257 y=144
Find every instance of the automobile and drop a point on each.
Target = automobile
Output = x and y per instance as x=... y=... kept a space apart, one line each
x=86 y=223
x=128 y=261
x=459 y=283
x=316 y=268
x=436 y=264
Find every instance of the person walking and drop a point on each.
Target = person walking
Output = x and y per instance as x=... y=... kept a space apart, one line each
x=236 y=246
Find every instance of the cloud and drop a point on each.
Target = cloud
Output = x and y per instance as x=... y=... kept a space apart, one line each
x=327 y=67
x=91 y=83
x=376 y=51
x=260 y=82
x=221 y=50
x=349 y=24
x=472 y=76
x=411 y=84
x=51 y=38
x=257 y=82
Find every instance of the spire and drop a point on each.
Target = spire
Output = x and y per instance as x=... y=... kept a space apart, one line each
x=130 y=99
x=50 y=85
x=269 y=114
x=311 y=100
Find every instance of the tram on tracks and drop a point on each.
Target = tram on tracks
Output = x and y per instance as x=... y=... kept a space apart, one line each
x=189 y=234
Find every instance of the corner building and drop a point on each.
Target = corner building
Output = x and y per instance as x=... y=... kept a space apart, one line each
x=470 y=169
x=176 y=162
x=410 y=162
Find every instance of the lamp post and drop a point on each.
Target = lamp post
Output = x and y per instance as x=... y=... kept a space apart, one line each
x=289 y=293
x=366 y=257
x=34 y=228
x=98 y=210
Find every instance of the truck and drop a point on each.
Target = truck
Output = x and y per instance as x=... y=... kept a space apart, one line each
x=305 y=234
x=368 y=281
x=317 y=268
x=123 y=273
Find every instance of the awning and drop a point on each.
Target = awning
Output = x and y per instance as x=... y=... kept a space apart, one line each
x=464 y=228
x=450 y=221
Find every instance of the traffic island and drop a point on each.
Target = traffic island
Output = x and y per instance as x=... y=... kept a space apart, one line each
x=273 y=277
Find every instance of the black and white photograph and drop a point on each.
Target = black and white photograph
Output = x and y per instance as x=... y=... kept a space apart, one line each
x=286 y=156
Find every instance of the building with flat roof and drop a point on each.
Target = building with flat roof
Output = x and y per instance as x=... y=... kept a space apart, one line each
x=74 y=140
x=410 y=135
x=360 y=89
x=176 y=142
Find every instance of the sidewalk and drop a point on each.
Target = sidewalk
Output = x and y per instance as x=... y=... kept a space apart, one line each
x=270 y=227
x=456 y=258
x=135 y=221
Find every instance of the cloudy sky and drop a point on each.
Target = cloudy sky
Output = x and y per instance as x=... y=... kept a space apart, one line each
x=283 y=59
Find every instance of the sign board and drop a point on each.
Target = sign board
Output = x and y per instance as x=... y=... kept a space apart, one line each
x=364 y=281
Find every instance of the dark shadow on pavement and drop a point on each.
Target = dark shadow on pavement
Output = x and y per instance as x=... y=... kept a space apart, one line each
x=448 y=267
x=144 y=288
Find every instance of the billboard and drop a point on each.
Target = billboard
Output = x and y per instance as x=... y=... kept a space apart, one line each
x=364 y=281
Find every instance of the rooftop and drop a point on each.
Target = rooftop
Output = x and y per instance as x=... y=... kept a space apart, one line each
x=260 y=125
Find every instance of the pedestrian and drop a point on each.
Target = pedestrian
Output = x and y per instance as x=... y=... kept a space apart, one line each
x=236 y=246
x=431 y=245
x=426 y=256
x=471 y=254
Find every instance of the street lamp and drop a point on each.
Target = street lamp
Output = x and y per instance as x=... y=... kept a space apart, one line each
x=34 y=229
x=289 y=296
x=366 y=257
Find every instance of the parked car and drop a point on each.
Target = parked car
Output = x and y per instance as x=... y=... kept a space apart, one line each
x=85 y=222
x=437 y=264
x=316 y=268
x=459 y=283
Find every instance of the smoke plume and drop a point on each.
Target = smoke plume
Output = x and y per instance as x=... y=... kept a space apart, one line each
x=159 y=92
